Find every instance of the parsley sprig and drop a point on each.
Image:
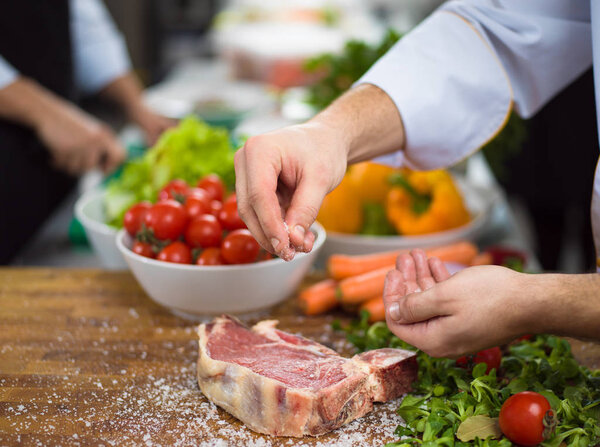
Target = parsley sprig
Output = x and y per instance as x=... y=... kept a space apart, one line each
x=445 y=395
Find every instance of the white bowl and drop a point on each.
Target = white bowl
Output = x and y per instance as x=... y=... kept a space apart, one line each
x=196 y=291
x=479 y=202
x=89 y=210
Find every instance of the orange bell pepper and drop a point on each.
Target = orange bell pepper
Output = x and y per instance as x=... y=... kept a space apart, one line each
x=425 y=202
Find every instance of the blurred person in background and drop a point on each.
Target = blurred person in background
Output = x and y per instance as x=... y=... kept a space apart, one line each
x=438 y=95
x=51 y=53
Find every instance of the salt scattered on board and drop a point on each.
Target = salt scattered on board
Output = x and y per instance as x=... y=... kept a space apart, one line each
x=147 y=394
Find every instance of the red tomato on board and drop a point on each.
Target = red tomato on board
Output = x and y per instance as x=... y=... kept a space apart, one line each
x=525 y=337
x=166 y=219
x=210 y=256
x=229 y=217
x=176 y=189
x=132 y=221
x=176 y=252
x=213 y=185
x=143 y=249
x=204 y=231
x=462 y=362
x=492 y=357
x=239 y=247
x=526 y=418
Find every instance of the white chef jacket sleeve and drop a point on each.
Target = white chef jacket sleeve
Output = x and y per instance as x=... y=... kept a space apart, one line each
x=99 y=50
x=456 y=77
x=8 y=73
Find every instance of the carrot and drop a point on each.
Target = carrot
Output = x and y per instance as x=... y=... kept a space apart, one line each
x=484 y=258
x=345 y=266
x=319 y=297
x=375 y=308
x=461 y=252
x=359 y=288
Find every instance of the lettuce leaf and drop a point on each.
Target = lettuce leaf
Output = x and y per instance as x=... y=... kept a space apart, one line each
x=189 y=151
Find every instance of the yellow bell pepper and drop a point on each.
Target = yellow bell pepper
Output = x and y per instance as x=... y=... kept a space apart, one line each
x=341 y=210
x=425 y=202
x=372 y=180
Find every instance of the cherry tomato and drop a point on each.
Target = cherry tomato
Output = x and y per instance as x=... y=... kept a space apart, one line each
x=215 y=207
x=210 y=256
x=525 y=337
x=492 y=357
x=264 y=256
x=176 y=252
x=143 y=249
x=135 y=216
x=166 y=219
x=196 y=191
x=231 y=198
x=197 y=204
x=204 y=231
x=176 y=189
x=239 y=247
x=213 y=184
x=526 y=418
x=229 y=217
x=463 y=362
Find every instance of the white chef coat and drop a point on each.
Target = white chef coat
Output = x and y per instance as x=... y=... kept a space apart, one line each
x=99 y=50
x=456 y=77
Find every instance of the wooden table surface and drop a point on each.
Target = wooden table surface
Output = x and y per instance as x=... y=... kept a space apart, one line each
x=86 y=358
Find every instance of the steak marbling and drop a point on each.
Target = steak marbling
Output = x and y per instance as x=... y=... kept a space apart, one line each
x=286 y=385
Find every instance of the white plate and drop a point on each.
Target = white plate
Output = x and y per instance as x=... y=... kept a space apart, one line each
x=479 y=202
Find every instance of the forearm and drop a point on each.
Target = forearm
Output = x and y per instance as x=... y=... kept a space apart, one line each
x=127 y=92
x=367 y=121
x=567 y=305
x=26 y=102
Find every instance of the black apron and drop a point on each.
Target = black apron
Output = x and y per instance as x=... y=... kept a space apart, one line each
x=35 y=38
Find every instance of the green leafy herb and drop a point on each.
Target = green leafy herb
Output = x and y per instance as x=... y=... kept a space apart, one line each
x=342 y=70
x=446 y=395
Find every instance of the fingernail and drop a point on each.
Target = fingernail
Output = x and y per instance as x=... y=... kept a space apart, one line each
x=299 y=229
x=308 y=241
x=394 y=311
x=275 y=243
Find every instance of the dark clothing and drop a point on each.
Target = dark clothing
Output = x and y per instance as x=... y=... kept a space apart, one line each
x=35 y=38
x=555 y=169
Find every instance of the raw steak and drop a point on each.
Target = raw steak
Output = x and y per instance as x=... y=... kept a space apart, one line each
x=285 y=385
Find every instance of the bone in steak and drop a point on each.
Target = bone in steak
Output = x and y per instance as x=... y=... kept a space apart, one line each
x=285 y=385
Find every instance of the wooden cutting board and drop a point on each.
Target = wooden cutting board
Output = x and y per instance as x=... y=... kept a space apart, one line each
x=86 y=358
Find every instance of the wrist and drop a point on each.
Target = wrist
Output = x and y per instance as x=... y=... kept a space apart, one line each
x=26 y=102
x=551 y=302
x=331 y=130
x=529 y=303
x=367 y=121
x=127 y=92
